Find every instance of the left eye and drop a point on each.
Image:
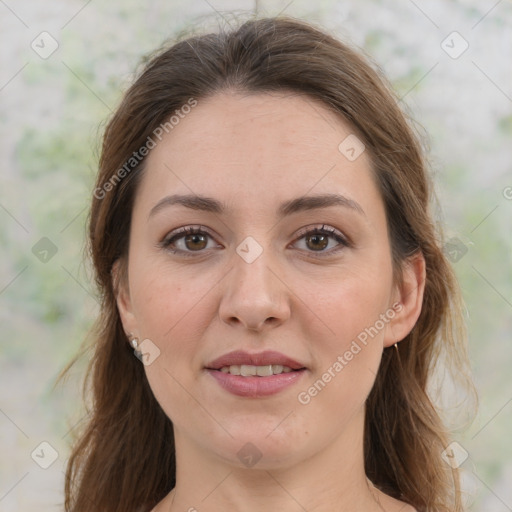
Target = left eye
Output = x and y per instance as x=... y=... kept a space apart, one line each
x=317 y=240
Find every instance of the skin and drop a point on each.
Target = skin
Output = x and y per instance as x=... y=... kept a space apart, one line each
x=253 y=152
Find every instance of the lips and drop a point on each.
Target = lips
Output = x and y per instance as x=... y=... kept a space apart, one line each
x=241 y=357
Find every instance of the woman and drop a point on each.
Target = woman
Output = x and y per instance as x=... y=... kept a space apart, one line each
x=263 y=242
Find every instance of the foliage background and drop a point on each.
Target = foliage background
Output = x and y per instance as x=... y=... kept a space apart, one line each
x=51 y=113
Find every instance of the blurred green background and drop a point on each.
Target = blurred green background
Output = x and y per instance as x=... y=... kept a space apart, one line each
x=53 y=107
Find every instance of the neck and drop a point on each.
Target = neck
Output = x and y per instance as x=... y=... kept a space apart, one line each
x=330 y=479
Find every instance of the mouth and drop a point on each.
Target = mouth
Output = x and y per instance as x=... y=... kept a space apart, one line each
x=256 y=386
x=248 y=370
x=263 y=364
x=255 y=375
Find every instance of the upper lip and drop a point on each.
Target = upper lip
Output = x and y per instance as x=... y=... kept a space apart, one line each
x=239 y=357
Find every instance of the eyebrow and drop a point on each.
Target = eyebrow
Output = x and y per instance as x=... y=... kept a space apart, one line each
x=209 y=204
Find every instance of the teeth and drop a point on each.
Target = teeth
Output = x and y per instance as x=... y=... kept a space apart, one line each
x=248 y=370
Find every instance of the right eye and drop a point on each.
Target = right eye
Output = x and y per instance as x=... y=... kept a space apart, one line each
x=192 y=239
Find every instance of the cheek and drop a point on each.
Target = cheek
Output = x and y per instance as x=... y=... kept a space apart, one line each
x=351 y=302
x=164 y=301
x=353 y=309
x=347 y=361
x=172 y=311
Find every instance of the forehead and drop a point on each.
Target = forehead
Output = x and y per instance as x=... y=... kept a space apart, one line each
x=256 y=146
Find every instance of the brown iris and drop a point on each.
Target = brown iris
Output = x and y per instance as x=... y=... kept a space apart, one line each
x=323 y=239
x=196 y=238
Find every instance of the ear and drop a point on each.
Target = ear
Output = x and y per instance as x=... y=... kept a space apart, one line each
x=124 y=304
x=408 y=299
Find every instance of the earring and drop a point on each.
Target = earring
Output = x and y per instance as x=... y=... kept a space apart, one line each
x=134 y=342
x=398 y=356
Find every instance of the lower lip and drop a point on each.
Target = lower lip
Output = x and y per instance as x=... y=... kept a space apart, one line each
x=256 y=386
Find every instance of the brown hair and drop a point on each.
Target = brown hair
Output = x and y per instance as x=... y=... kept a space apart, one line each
x=124 y=459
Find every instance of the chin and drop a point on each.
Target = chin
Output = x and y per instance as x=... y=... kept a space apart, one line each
x=264 y=456
x=262 y=448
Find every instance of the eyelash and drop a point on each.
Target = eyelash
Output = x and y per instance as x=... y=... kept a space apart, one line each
x=195 y=230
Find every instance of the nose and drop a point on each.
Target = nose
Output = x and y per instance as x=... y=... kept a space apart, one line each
x=255 y=295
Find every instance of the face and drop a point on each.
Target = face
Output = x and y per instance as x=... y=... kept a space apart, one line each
x=266 y=268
